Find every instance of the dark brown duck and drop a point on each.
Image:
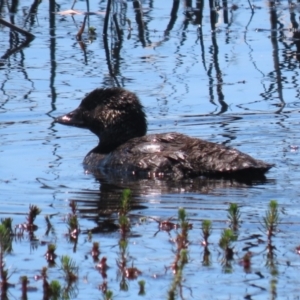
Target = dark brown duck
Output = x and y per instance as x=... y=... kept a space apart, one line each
x=117 y=117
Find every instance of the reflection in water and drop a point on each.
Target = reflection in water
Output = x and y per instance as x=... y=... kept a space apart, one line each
x=16 y=44
x=105 y=202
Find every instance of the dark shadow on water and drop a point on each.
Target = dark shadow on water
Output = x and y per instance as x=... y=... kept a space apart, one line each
x=101 y=206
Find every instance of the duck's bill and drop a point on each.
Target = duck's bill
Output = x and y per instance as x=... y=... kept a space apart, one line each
x=73 y=118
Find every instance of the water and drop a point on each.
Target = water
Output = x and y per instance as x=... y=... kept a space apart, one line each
x=238 y=86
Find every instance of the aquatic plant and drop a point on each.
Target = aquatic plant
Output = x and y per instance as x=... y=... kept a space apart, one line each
x=4 y=279
x=125 y=272
x=246 y=261
x=29 y=226
x=181 y=257
x=270 y=223
x=73 y=206
x=92 y=30
x=24 y=282
x=142 y=291
x=206 y=228
x=50 y=254
x=206 y=231
x=132 y=272
x=182 y=237
x=122 y=262
x=125 y=202
x=234 y=216
x=271 y=219
x=70 y=270
x=124 y=208
x=73 y=224
x=108 y=295
x=7 y=223
x=206 y=257
x=95 y=251
x=124 y=224
x=55 y=289
x=102 y=267
x=69 y=267
x=5 y=247
x=34 y=211
x=5 y=236
x=46 y=286
x=226 y=239
x=181 y=260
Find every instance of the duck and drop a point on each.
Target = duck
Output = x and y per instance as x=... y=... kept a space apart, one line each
x=117 y=117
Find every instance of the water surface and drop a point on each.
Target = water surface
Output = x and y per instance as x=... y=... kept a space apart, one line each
x=226 y=75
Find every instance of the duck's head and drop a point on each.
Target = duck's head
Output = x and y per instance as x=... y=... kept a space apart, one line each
x=115 y=115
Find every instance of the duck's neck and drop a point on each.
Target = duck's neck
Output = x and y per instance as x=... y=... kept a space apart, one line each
x=107 y=145
x=111 y=138
x=105 y=148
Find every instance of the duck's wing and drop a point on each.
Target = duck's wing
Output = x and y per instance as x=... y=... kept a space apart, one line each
x=199 y=157
x=214 y=159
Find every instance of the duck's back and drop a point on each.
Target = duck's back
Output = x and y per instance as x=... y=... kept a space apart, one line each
x=176 y=155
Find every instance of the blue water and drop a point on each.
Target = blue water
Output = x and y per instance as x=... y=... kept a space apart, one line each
x=238 y=85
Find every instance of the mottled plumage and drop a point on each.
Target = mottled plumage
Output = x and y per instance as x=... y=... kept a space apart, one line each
x=117 y=117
